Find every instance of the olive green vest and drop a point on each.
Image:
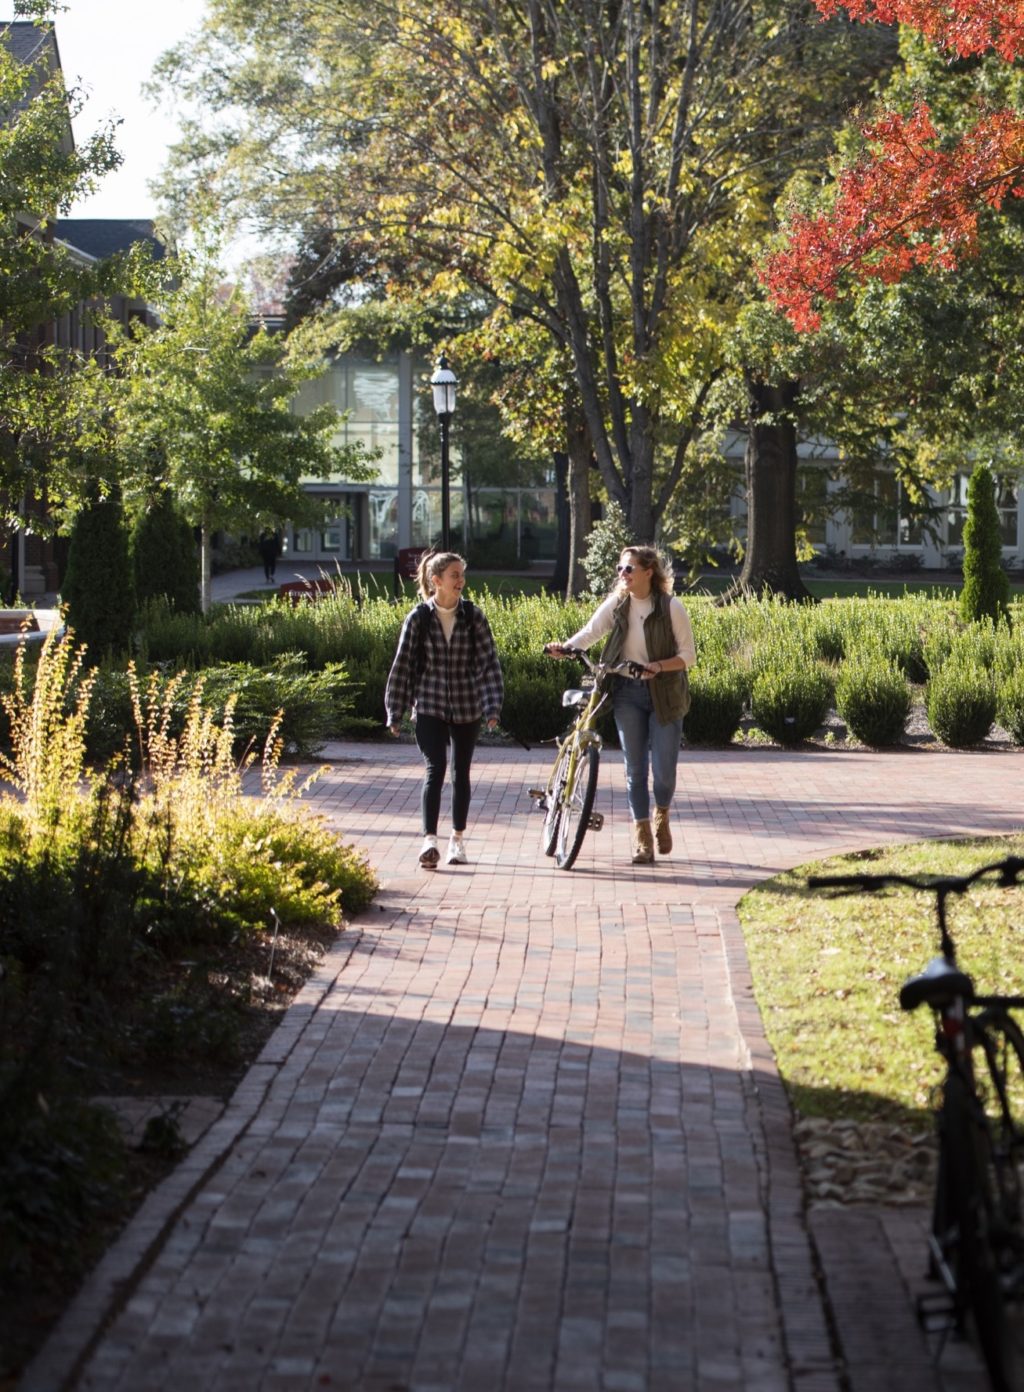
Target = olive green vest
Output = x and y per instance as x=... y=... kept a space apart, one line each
x=669 y=690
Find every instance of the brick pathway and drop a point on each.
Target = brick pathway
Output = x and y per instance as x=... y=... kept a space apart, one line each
x=523 y=1130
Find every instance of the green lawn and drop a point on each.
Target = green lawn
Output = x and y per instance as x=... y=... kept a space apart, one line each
x=827 y=973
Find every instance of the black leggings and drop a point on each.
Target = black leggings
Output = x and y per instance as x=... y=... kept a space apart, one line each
x=433 y=737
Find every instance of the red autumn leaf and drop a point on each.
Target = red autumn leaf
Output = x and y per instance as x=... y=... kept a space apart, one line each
x=961 y=26
x=908 y=202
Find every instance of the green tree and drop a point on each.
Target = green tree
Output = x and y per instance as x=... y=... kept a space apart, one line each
x=210 y=396
x=986 y=591
x=606 y=173
x=42 y=172
x=99 y=589
x=165 y=560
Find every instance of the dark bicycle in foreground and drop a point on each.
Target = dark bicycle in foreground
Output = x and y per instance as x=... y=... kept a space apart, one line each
x=567 y=798
x=976 y=1247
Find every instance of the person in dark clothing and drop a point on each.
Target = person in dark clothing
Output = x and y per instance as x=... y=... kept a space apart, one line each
x=269 y=548
x=446 y=669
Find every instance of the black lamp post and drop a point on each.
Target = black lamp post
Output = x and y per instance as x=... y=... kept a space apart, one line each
x=444 y=383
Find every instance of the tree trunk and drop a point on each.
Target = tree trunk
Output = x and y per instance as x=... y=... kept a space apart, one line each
x=563 y=525
x=205 y=567
x=581 y=458
x=769 y=564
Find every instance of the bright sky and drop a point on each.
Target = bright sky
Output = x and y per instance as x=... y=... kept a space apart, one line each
x=108 y=47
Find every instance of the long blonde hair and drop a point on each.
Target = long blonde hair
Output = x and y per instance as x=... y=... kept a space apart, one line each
x=650 y=558
x=435 y=563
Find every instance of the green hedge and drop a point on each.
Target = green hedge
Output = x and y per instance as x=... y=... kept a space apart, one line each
x=915 y=635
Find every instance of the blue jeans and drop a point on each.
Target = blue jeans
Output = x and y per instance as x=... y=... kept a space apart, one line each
x=646 y=747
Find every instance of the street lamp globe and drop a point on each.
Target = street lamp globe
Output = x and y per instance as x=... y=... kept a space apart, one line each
x=443 y=383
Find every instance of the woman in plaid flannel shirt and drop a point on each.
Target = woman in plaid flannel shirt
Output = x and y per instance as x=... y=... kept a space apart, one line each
x=446 y=671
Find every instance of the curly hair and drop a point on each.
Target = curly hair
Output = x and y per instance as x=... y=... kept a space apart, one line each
x=650 y=558
x=435 y=563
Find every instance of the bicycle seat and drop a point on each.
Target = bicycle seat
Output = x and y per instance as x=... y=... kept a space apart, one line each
x=940 y=983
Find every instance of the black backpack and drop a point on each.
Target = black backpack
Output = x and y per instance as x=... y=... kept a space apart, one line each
x=423 y=618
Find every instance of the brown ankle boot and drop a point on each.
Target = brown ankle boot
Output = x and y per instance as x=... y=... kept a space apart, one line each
x=662 y=830
x=643 y=843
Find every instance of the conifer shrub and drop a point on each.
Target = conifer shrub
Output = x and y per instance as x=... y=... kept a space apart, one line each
x=873 y=697
x=605 y=544
x=791 y=696
x=165 y=560
x=718 y=695
x=961 y=703
x=986 y=589
x=98 y=588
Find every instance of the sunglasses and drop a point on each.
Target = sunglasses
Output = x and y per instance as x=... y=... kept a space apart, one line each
x=626 y=569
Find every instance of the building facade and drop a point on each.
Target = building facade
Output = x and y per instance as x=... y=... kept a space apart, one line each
x=401 y=507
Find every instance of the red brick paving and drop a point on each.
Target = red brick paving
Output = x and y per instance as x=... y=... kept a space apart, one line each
x=523 y=1130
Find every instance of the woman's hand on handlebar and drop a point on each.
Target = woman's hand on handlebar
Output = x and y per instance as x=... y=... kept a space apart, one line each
x=556 y=650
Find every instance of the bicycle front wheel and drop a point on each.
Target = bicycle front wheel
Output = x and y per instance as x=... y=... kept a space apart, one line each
x=577 y=805
x=971 y=1243
x=553 y=810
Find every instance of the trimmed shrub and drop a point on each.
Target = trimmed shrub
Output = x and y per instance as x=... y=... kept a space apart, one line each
x=605 y=544
x=873 y=698
x=986 y=591
x=165 y=561
x=98 y=588
x=961 y=704
x=1010 y=706
x=791 y=698
x=718 y=696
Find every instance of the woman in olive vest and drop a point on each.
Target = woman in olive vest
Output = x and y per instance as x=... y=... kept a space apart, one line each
x=649 y=626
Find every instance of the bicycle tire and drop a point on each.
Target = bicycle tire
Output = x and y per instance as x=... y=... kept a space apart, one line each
x=577 y=805
x=970 y=1246
x=1001 y=1044
x=553 y=814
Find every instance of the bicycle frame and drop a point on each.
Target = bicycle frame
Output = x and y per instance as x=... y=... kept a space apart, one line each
x=580 y=745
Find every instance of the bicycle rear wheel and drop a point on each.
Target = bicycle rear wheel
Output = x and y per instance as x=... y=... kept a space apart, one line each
x=577 y=805
x=970 y=1241
x=553 y=814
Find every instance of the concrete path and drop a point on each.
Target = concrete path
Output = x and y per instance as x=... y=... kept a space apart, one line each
x=523 y=1131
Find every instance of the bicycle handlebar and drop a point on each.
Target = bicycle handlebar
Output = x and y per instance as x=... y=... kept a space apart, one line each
x=628 y=669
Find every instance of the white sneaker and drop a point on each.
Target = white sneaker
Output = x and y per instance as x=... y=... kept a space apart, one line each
x=429 y=855
x=456 y=851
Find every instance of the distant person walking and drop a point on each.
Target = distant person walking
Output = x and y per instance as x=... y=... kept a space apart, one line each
x=649 y=626
x=446 y=670
x=269 y=548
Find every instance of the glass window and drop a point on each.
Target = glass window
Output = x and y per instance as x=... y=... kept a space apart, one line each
x=886 y=519
x=811 y=490
x=1007 y=503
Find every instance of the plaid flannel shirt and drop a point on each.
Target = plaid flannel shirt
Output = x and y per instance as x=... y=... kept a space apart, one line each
x=446 y=688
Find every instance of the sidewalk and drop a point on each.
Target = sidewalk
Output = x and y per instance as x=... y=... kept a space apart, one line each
x=523 y=1132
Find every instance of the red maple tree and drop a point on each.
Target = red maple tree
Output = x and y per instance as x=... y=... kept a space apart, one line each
x=909 y=200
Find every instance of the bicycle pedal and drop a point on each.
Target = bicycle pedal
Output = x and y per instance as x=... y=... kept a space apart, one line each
x=596 y=821
x=936 y=1312
x=537 y=794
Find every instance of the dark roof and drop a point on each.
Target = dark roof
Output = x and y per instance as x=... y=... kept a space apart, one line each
x=26 y=41
x=101 y=237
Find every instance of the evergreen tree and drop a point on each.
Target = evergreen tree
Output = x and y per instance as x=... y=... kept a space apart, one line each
x=98 y=588
x=986 y=592
x=165 y=559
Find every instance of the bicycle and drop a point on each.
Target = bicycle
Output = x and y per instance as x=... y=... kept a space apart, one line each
x=976 y=1244
x=567 y=798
